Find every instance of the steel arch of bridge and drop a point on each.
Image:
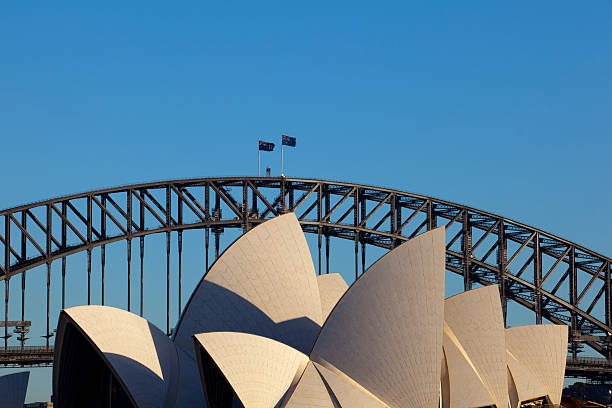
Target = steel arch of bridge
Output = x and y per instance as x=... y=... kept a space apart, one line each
x=536 y=269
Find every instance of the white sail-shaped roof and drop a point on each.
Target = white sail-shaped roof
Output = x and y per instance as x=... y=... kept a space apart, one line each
x=13 y=389
x=140 y=355
x=476 y=320
x=522 y=385
x=331 y=288
x=386 y=331
x=310 y=392
x=263 y=284
x=536 y=358
x=259 y=370
x=466 y=388
x=251 y=335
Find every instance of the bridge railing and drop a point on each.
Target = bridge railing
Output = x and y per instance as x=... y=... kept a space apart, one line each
x=591 y=361
x=18 y=356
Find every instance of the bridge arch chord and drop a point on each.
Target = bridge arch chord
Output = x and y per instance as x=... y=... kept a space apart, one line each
x=558 y=280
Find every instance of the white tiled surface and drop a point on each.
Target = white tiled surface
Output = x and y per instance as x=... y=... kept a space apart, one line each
x=475 y=317
x=264 y=284
x=467 y=388
x=386 y=331
x=139 y=353
x=522 y=385
x=258 y=369
x=266 y=277
x=347 y=393
x=542 y=351
x=310 y=391
x=331 y=288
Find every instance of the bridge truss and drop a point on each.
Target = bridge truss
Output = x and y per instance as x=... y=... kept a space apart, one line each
x=556 y=279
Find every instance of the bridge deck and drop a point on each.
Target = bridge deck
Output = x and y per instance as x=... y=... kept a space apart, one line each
x=32 y=356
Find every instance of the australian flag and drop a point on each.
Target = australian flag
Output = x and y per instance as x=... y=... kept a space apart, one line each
x=266 y=146
x=288 y=141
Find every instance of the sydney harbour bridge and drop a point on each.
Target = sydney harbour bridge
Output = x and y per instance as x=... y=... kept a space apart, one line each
x=555 y=279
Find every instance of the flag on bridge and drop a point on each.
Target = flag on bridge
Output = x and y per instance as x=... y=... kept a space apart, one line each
x=266 y=146
x=288 y=141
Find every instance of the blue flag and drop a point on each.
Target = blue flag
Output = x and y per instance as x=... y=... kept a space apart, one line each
x=266 y=146
x=288 y=141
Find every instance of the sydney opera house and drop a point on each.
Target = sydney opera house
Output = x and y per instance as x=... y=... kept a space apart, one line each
x=263 y=330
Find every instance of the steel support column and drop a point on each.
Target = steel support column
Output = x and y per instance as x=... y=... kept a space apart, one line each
x=319 y=217
x=89 y=241
x=207 y=228
x=128 y=242
x=7 y=269
x=48 y=250
x=363 y=244
x=325 y=230
x=392 y=219
x=168 y=237
x=64 y=211
x=537 y=278
x=466 y=246
x=607 y=307
x=24 y=221
x=502 y=262
x=573 y=294
x=180 y=253
x=103 y=247
x=356 y=224
x=142 y=254
x=431 y=216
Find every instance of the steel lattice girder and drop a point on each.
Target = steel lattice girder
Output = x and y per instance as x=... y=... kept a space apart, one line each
x=533 y=268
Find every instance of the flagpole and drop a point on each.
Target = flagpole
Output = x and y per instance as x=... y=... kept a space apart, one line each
x=258 y=162
x=281 y=158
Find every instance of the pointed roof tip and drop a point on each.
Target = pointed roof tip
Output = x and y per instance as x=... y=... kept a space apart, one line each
x=436 y=235
x=487 y=290
x=236 y=296
x=331 y=288
x=543 y=326
x=438 y=230
x=143 y=359
x=247 y=359
x=435 y=232
x=438 y=244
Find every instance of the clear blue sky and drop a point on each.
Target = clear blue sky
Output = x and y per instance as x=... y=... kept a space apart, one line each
x=504 y=106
